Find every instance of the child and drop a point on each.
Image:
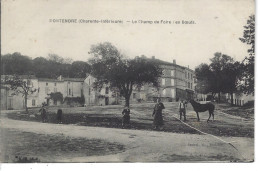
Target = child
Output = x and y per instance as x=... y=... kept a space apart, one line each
x=126 y=116
x=59 y=116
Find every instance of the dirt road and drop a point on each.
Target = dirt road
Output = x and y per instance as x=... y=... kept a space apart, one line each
x=144 y=146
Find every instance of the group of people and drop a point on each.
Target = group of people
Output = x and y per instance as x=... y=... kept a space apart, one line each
x=157 y=114
x=44 y=114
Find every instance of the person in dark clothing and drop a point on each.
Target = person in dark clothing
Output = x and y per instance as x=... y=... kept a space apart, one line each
x=182 y=109
x=157 y=114
x=126 y=116
x=59 y=116
x=43 y=113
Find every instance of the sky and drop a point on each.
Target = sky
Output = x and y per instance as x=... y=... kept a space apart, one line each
x=26 y=28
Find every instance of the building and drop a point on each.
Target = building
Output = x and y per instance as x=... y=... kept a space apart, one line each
x=239 y=99
x=70 y=88
x=100 y=97
x=10 y=100
x=176 y=82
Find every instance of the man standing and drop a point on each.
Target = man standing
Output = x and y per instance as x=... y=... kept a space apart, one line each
x=182 y=109
x=43 y=113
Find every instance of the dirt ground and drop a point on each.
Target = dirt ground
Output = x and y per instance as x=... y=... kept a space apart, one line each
x=141 y=119
x=89 y=135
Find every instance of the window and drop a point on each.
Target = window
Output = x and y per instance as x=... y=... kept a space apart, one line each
x=134 y=95
x=188 y=75
x=88 y=91
x=164 y=91
x=107 y=90
x=172 y=82
x=188 y=85
x=185 y=74
x=69 y=91
x=191 y=85
x=191 y=76
x=33 y=102
x=163 y=81
x=173 y=93
x=46 y=84
x=172 y=72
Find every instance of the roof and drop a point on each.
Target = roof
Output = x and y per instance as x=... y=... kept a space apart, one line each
x=161 y=62
x=49 y=80
x=74 y=79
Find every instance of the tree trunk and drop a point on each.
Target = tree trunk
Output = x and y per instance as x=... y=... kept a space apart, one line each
x=25 y=103
x=218 y=97
x=127 y=101
x=232 y=98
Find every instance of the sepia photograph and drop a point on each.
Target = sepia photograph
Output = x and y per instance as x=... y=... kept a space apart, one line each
x=150 y=81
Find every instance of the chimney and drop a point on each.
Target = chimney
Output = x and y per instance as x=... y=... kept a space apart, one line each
x=60 y=78
x=174 y=61
x=153 y=57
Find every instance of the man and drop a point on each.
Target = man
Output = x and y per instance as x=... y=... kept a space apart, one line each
x=43 y=113
x=182 y=109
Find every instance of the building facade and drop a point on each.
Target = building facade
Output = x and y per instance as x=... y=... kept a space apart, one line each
x=100 y=97
x=176 y=82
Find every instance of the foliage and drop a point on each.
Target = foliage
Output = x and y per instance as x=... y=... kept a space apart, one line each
x=205 y=80
x=21 y=86
x=70 y=100
x=57 y=96
x=111 y=68
x=41 y=67
x=16 y=64
x=220 y=76
x=248 y=77
x=79 y=69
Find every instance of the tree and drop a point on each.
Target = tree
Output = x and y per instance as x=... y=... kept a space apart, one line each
x=205 y=80
x=16 y=63
x=220 y=76
x=57 y=96
x=21 y=86
x=109 y=67
x=217 y=65
x=248 y=76
x=79 y=69
x=230 y=76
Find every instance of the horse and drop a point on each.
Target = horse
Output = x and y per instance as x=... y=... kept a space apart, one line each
x=202 y=108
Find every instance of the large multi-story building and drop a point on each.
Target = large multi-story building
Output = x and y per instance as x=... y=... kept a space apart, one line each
x=176 y=82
